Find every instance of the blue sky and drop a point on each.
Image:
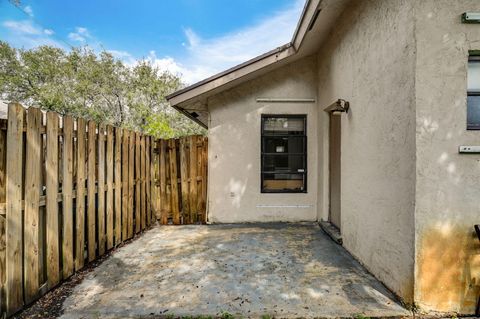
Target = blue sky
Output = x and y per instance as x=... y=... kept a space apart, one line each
x=192 y=38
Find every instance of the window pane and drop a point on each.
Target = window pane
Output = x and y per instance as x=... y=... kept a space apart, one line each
x=473 y=112
x=283 y=182
x=289 y=144
x=474 y=76
x=283 y=163
x=283 y=126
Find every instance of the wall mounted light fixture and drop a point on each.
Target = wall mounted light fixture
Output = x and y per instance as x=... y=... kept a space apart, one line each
x=338 y=107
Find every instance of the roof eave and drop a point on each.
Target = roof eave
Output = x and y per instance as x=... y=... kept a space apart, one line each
x=187 y=114
x=231 y=75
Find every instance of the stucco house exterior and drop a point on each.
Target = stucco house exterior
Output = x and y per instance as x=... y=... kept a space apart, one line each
x=384 y=164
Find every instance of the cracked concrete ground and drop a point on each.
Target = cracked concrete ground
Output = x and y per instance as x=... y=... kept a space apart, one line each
x=283 y=270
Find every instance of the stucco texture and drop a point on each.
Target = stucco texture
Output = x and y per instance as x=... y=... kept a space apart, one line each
x=369 y=60
x=234 y=148
x=409 y=200
x=447 y=183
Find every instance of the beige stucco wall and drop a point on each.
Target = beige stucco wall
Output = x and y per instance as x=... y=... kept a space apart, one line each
x=408 y=199
x=369 y=60
x=234 y=147
x=448 y=183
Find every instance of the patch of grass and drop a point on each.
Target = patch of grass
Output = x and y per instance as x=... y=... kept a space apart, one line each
x=227 y=315
x=266 y=316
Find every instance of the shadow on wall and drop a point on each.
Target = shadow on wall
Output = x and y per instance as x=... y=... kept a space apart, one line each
x=449 y=268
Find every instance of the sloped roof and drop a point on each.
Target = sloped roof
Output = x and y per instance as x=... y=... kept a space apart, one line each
x=317 y=18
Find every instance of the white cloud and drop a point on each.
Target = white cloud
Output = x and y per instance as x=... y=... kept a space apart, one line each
x=126 y=57
x=206 y=57
x=28 y=10
x=24 y=27
x=24 y=33
x=81 y=34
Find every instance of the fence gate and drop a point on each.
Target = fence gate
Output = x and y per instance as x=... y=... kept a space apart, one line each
x=179 y=170
x=71 y=190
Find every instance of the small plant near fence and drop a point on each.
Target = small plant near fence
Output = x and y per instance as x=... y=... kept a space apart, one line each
x=70 y=190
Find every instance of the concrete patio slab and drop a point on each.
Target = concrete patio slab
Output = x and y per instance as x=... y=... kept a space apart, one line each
x=281 y=270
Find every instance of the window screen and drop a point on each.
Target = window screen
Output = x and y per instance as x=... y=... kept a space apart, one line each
x=473 y=98
x=284 y=155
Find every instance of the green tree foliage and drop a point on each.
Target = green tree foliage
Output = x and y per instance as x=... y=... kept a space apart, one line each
x=94 y=86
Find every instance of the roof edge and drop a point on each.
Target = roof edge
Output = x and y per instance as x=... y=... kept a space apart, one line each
x=230 y=70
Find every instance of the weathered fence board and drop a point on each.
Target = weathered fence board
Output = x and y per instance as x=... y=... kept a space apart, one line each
x=80 y=200
x=14 y=246
x=51 y=162
x=70 y=190
x=3 y=162
x=125 y=188
x=67 y=201
x=149 y=172
x=101 y=190
x=92 y=127
x=131 y=157
x=32 y=209
x=143 y=202
x=193 y=177
x=118 y=185
x=109 y=199
x=163 y=183
x=138 y=206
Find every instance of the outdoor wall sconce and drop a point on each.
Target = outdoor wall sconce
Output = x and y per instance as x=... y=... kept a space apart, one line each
x=471 y=17
x=338 y=107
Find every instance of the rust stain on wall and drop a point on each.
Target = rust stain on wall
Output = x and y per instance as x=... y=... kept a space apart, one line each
x=449 y=269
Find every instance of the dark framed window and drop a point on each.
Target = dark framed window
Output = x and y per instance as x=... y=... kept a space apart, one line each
x=284 y=154
x=473 y=96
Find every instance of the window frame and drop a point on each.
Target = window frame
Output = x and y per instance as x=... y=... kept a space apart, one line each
x=304 y=153
x=476 y=59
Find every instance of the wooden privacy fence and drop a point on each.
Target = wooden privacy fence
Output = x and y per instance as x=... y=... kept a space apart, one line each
x=70 y=190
